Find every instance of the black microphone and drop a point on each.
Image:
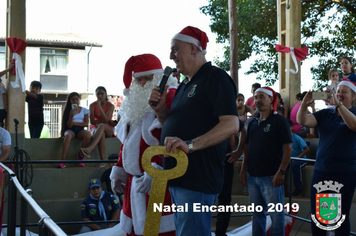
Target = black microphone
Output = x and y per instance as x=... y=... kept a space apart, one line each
x=167 y=71
x=16 y=121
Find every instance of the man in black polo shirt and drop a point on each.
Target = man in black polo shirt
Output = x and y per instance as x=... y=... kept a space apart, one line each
x=269 y=148
x=203 y=116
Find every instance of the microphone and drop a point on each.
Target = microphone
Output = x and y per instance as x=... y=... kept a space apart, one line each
x=167 y=71
x=16 y=121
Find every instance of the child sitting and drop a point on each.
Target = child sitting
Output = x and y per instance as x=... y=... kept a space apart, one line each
x=75 y=118
x=99 y=206
x=300 y=148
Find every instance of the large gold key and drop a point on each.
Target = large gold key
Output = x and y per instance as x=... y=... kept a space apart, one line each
x=159 y=183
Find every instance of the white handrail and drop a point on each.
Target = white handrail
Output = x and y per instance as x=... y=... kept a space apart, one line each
x=303 y=159
x=44 y=218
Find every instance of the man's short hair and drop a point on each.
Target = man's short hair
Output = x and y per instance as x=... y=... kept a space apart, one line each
x=174 y=70
x=113 y=157
x=36 y=84
x=256 y=85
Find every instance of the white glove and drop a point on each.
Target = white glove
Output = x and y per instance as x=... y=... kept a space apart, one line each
x=118 y=178
x=145 y=183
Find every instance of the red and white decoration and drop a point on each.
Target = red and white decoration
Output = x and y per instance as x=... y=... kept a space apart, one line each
x=296 y=54
x=17 y=46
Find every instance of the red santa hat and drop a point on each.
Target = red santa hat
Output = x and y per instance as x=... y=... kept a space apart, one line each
x=193 y=35
x=269 y=91
x=141 y=65
x=348 y=83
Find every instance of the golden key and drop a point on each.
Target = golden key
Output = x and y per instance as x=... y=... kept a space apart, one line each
x=159 y=183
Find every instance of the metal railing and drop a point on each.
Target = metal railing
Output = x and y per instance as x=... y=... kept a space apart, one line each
x=21 y=163
x=46 y=224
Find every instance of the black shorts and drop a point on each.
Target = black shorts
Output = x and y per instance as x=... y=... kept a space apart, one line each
x=76 y=130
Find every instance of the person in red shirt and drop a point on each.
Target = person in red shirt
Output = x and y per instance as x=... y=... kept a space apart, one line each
x=102 y=126
x=251 y=100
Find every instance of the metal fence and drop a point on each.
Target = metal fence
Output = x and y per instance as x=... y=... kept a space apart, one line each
x=53 y=119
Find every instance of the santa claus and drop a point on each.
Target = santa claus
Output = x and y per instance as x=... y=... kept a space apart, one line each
x=137 y=130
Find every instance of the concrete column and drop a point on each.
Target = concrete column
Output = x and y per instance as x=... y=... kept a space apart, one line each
x=16 y=27
x=289 y=34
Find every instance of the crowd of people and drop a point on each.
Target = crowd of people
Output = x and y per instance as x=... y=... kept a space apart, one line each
x=209 y=121
x=205 y=117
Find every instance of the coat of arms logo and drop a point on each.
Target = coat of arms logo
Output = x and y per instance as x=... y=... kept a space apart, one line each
x=192 y=91
x=267 y=128
x=328 y=205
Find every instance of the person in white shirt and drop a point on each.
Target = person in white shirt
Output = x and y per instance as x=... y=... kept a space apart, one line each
x=75 y=118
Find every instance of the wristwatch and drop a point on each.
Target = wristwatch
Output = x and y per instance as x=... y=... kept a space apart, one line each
x=283 y=172
x=190 y=145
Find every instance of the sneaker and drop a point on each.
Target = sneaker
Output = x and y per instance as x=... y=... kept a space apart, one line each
x=61 y=165
x=101 y=165
x=80 y=157
x=297 y=191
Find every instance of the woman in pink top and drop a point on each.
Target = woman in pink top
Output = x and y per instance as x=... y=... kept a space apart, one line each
x=101 y=124
x=297 y=128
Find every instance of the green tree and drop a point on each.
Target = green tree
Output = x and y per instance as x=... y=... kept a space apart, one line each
x=327 y=28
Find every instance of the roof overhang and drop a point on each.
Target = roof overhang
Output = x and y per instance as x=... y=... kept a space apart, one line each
x=56 y=43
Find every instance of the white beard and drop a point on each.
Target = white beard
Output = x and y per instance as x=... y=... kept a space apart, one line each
x=135 y=106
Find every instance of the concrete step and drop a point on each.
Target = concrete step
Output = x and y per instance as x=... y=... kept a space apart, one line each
x=59 y=210
x=54 y=183
x=51 y=149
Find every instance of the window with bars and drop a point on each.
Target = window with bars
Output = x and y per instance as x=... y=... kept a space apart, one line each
x=53 y=69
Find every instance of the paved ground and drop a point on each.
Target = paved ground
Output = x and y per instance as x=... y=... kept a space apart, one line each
x=295 y=233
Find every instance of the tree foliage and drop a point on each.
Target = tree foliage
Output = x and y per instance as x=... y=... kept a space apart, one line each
x=327 y=28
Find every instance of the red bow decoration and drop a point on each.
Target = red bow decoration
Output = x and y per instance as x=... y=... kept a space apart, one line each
x=296 y=54
x=17 y=46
